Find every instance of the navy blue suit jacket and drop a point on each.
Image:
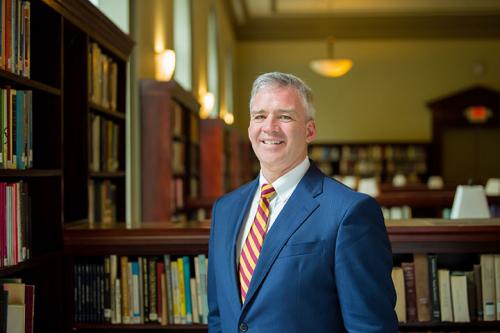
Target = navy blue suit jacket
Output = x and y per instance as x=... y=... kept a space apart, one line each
x=325 y=265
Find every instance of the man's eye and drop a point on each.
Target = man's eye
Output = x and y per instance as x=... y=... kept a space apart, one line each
x=258 y=117
x=285 y=117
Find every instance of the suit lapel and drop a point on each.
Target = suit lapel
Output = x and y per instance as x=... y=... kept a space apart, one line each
x=239 y=211
x=298 y=208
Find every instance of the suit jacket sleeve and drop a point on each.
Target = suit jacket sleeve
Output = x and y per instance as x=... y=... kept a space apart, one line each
x=363 y=264
x=213 y=306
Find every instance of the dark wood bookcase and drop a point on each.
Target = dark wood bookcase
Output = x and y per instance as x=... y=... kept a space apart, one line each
x=224 y=156
x=466 y=131
x=61 y=32
x=458 y=244
x=170 y=142
x=373 y=159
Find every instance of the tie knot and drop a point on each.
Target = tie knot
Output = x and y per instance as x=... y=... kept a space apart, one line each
x=267 y=191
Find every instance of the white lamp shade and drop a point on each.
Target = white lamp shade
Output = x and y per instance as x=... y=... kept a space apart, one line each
x=493 y=186
x=470 y=202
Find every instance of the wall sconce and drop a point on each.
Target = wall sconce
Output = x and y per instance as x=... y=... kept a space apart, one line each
x=207 y=104
x=229 y=118
x=165 y=65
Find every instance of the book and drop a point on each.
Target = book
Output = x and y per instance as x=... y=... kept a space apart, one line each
x=459 y=297
x=399 y=285
x=445 y=295
x=421 y=266
x=187 y=287
x=434 y=288
x=125 y=304
x=471 y=295
x=182 y=290
x=168 y=281
x=175 y=294
x=479 y=291
x=411 y=296
x=488 y=286
x=496 y=258
x=194 y=301
x=153 y=315
x=16 y=318
x=29 y=303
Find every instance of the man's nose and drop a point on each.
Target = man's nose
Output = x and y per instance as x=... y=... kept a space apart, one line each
x=270 y=124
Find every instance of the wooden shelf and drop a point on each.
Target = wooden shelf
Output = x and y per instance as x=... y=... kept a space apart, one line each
x=107 y=174
x=28 y=264
x=30 y=173
x=151 y=238
x=406 y=236
x=23 y=82
x=139 y=327
x=445 y=326
x=444 y=236
x=107 y=112
x=420 y=198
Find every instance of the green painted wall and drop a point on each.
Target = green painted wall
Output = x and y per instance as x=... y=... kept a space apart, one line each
x=384 y=96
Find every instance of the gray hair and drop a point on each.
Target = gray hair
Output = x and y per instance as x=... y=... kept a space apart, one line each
x=283 y=80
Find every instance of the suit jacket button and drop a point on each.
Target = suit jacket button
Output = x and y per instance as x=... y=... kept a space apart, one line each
x=243 y=327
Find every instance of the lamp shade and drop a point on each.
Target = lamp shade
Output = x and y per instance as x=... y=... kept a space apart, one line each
x=470 y=202
x=331 y=67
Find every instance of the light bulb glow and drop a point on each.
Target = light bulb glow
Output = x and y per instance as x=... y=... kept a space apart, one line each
x=165 y=65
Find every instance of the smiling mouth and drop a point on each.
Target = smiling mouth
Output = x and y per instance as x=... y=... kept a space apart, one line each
x=271 y=142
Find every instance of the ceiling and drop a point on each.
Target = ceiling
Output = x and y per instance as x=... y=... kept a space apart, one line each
x=310 y=19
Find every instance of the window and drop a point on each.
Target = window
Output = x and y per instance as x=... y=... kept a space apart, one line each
x=182 y=43
x=213 y=64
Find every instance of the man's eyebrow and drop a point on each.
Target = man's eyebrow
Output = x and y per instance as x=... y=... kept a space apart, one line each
x=257 y=111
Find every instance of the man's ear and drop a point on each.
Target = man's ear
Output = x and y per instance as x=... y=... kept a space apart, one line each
x=310 y=131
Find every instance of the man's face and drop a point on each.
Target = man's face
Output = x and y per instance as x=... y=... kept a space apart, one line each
x=279 y=130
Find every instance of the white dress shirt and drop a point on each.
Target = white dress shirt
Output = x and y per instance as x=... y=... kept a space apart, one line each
x=284 y=187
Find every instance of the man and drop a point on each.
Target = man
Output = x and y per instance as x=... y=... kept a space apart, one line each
x=295 y=251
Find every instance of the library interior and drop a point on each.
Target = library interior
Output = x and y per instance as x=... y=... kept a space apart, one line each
x=133 y=121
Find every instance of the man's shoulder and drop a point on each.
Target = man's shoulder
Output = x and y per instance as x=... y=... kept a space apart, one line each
x=332 y=187
x=236 y=194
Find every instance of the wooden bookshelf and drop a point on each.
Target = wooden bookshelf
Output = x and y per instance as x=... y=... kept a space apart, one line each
x=373 y=159
x=170 y=150
x=459 y=242
x=222 y=157
x=60 y=33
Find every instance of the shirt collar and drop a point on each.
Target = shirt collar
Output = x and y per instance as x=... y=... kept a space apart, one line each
x=285 y=184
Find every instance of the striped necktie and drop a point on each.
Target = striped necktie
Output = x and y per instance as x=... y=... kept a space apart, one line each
x=253 y=244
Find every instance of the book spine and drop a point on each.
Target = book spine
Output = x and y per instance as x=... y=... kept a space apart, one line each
x=187 y=286
x=411 y=296
x=182 y=290
x=168 y=281
x=434 y=289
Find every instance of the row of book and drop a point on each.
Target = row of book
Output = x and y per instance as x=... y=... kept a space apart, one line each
x=15 y=223
x=164 y=290
x=15 y=34
x=16 y=119
x=102 y=201
x=178 y=124
x=102 y=78
x=104 y=138
x=426 y=293
x=376 y=152
x=17 y=302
